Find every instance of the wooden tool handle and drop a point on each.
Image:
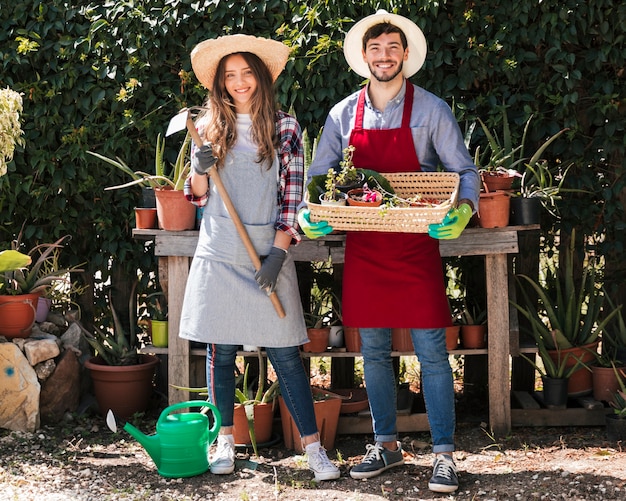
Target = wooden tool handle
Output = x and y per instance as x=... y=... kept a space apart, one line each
x=241 y=229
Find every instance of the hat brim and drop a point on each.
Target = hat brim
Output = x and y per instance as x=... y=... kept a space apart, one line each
x=353 y=45
x=206 y=55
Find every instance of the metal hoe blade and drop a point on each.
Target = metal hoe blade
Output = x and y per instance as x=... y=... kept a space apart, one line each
x=178 y=122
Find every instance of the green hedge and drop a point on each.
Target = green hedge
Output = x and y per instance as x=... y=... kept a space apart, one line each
x=108 y=76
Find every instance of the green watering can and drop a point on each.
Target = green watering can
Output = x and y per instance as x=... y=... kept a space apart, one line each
x=180 y=447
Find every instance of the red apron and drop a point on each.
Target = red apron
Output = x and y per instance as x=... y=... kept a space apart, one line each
x=391 y=279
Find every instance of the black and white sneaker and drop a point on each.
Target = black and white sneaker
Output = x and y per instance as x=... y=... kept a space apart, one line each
x=376 y=460
x=445 y=478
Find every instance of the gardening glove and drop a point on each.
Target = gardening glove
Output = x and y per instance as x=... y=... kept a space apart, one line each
x=267 y=275
x=202 y=159
x=452 y=225
x=312 y=230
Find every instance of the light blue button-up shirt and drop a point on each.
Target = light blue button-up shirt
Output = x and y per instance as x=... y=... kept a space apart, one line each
x=436 y=135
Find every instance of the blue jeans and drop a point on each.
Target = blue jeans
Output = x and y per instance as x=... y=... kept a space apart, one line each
x=293 y=380
x=438 y=386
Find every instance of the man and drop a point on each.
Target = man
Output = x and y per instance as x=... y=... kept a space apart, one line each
x=398 y=127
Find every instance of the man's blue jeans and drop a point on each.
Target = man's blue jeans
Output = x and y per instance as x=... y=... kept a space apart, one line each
x=294 y=383
x=438 y=385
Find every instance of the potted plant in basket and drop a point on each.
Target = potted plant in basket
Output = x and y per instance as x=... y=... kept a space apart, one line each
x=122 y=376
x=22 y=285
x=569 y=315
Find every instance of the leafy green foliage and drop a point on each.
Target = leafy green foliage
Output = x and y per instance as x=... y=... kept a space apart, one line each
x=108 y=76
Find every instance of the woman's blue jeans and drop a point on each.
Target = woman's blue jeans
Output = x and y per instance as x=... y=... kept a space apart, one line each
x=292 y=377
x=437 y=384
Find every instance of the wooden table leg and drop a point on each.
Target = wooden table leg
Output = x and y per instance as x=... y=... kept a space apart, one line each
x=178 y=349
x=496 y=274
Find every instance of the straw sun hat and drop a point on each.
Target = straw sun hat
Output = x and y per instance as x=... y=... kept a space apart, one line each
x=353 y=45
x=206 y=55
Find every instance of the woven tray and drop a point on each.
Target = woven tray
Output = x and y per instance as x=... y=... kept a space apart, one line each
x=441 y=186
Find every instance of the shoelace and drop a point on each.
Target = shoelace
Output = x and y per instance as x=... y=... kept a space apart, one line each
x=373 y=452
x=444 y=468
x=224 y=449
x=321 y=459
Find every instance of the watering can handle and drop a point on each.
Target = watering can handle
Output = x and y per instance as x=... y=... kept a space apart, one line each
x=217 y=418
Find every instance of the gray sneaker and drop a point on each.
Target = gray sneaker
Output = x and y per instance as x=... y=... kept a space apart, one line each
x=445 y=478
x=320 y=465
x=376 y=460
x=223 y=461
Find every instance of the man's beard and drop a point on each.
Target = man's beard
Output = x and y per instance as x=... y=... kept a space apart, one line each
x=385 y=78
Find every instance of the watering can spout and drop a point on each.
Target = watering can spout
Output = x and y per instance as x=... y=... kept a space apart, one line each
x=151 y=443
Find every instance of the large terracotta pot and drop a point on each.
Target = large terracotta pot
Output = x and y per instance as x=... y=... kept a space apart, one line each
x=326 y=416
x=494 y=209
x=452 y=337
x=474 y=336
x=581 y=381
x=124 y=389
x=174 y=211
x=18 y=314
x=263 y=421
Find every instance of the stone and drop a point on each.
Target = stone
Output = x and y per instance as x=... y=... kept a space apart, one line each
x=19 y=391
x=61 y=391
x=45 y=369
x=41 y=350
x=74 y=339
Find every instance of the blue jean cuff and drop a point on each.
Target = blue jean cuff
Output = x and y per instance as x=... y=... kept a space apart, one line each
x=385 y=438
x=438 y=449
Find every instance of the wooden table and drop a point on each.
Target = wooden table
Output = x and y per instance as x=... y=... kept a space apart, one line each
x=495 y=244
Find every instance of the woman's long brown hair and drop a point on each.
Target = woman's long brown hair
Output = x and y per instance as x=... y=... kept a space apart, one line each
x=221 y=129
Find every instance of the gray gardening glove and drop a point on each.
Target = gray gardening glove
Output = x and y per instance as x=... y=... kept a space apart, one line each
x=267 y=275
x=202 y=159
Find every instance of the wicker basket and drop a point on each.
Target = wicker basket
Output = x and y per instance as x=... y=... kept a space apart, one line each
x=441 y=186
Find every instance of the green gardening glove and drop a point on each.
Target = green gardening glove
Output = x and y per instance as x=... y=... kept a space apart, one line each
x=312 y=230
x=452 y=225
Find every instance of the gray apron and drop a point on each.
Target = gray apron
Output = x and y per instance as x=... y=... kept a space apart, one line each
x=223 y=303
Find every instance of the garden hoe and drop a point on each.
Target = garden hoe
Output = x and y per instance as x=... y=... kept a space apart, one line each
x=183 y=120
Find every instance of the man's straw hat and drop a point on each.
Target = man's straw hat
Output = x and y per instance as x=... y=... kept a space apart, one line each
x=206 y=55
x=353 y=44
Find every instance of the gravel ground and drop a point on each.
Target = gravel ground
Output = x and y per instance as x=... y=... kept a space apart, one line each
x=80 y=459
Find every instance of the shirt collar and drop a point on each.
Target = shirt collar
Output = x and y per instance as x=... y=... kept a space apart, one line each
x=396 y=100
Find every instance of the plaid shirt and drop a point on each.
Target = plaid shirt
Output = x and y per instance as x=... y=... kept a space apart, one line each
x=291 y=175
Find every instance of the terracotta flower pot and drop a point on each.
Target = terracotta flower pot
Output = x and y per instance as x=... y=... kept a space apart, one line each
x=174 y=211
x=318 y=340
x=497 y=181
x=352 y=339
x=605 y=383
x=263 y=422
x=401 y=340
x=494 y=209
x=474 y=336
x=452 y=337
x=581 y=381
x=145 y=217
x=326 y=416
x=355 y=195
x=17 y=315
x=124 y=389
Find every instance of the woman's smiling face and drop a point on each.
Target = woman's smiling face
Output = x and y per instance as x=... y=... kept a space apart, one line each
x=240 y=82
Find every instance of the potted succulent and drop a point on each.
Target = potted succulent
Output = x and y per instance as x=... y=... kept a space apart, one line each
x=254 y=410
x=364 y=197
x=616 y=421
x=319 y=316
x=473 y=321
x=569 y=315
x=22 y=285
x=174 y=212
x=122 y=377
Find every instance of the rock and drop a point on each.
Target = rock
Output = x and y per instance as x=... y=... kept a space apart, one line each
x=61 y=392
x=45 y=369
x=74 y=339
x=19 y=391
x=41 y=350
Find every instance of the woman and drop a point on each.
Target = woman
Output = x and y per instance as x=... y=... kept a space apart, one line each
x=258 y=151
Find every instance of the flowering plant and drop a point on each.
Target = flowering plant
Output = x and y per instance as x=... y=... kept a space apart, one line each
x=10 y=128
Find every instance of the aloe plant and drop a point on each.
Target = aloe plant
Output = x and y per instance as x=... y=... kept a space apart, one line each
x=570 y=312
